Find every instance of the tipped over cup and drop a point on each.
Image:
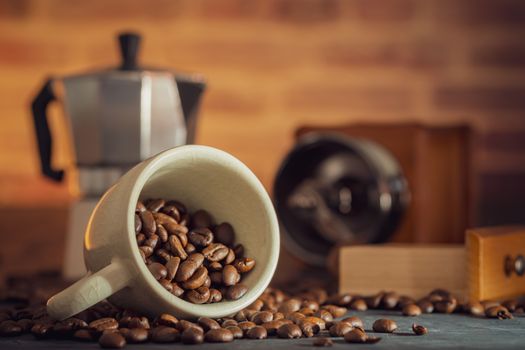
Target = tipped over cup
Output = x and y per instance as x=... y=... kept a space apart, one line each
x=200 y=177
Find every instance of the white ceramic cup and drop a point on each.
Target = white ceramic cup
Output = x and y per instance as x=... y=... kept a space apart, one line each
x=200 y=177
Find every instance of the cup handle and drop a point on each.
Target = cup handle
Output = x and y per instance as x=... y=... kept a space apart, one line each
x=88 y=291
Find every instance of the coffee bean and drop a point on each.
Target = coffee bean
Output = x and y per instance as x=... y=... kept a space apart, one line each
x=158 y=271
x=201 y=236
x=176 y=290
x=199 y=295
x=358 y=305
x=201 y=218
x=103 y=324
x=187 y=268
x=192 y=335
x=220 y=335
x=500 y=312
x=139 y=322
x=172 y=266
x=165 y=334
x=257 y=332
x=445 y=305
x=340 y=329
x=26 y=324
x=236 y=331
x=238 y=250
x=246 y=325
x=138 y=224
x=172 y=211
x=112 y=340
x=475 y=309
x=236 y=292
x=318 y=321
x=418 y=329
x=68 y=326
x=83 y=335
x=278 y=315
x=154 y=205
x=372 y=340
x=230 y=257
x=511 y=305
x=290 y=305
x=384 y=325
x=324 y=315
x=411 y=310
x=197 y=279
x=146 y=251
x=261 y=317
x=167 y=320
x=215 y=252
x=323 y=341
x=355 y=335
x=310 y=304
x=426 y=306
x=289 y=331
x=405 y=300
x=335 y=311
x=177 y=248
x=207 y=323
x=190 y=248
x=180 y=206
x=215 y=266
x=10 y=328
x=137 y=335
x=163 y=219
x=390 y=300
x=177 y=230
x=162 y=233
x=354 y=321
x=244 y=265
x=149 y=226
x=224 y=234
x=230 y=275
x=295 y=317
x=373 y=301
x=309 y=329
x=228 y=322
x=140 y=207
x=182 y=325
x=39 y=330
x=215 y=296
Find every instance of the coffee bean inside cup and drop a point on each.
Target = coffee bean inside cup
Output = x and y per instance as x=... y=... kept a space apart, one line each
x=190 y=255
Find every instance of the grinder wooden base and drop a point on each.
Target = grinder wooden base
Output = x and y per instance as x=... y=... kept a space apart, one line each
x=487 y=268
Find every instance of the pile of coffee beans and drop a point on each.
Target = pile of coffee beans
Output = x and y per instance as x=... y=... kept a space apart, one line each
x=437 y=301
x=190 y=256
x=308 y=314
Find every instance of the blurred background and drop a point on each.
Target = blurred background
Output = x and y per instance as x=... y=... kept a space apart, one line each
x=272 y=67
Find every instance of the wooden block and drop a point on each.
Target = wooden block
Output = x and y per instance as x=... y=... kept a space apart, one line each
x=412 y=270
x=487 y=249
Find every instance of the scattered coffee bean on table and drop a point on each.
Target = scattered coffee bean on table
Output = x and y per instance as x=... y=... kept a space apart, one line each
x=356 y=335
x=189 y=255
x=411 y=310
x=384 y=325
x=323 y=341
x=304 y=314
x=112 y=340
x=419 y=330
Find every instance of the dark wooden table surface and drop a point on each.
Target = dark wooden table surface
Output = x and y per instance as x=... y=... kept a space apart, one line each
x=445 y=332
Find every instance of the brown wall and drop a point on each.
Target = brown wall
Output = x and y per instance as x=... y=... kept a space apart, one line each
x=273 y=65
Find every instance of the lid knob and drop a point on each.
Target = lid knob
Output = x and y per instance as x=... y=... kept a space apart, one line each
x=129 y=46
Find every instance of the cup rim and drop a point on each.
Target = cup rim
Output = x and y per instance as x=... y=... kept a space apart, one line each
x=222 y=308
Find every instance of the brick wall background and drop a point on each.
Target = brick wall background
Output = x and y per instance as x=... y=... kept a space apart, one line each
x=273 y=65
